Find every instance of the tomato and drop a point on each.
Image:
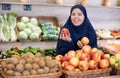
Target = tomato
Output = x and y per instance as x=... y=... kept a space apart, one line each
x=65 y=31
x=16 y=46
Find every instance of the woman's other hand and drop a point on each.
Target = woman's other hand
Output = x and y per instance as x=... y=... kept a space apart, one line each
x=79 y=44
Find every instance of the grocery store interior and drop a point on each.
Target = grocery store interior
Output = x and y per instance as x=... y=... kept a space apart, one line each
x=103 y=14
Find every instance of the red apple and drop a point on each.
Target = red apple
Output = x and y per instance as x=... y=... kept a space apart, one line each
x=63 y=59
x=16 y=47
x=78 y=53
x=70 y=54
x=65 y=31
x=70 y=67
x=85 y=40
x=65 y=63
x=77 y=69
x=86 y=49
x=108 y=59
x=58 y=57
x=101 y=53
x=83 y=65
x=94 y=49
x=95 y=56
x=92 y=64
x=85 y=56
x=74 y=61
x=104 y=63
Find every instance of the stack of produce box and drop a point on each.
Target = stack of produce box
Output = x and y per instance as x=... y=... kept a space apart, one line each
x=29 y=64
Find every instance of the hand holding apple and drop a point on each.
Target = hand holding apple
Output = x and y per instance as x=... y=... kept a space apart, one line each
x=65 y=31
x=85 y=40
x=65 y=35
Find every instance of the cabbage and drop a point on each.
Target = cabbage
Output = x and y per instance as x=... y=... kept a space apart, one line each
x=34 y=21
x=21 y=25
x=37 y=30
x=22 y=35
x=29 y=25
x=24 y=19
x=34 y=36
x=27 y=30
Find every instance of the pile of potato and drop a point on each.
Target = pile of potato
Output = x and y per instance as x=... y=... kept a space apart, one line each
x=29 y=64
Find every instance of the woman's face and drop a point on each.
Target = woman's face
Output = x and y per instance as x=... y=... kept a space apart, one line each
x=77 y=17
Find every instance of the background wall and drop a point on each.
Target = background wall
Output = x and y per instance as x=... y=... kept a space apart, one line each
x=101 y=17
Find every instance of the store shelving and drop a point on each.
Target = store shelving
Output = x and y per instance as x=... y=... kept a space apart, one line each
x=53 y=4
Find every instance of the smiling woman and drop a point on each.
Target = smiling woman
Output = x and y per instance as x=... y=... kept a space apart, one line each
x=77 y=17
x=79 y=26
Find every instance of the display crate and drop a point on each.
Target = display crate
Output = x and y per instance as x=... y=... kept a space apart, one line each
x=48 y=22
x=49 y=75
x=28 y=40
x=115 y=70
x=52 y=19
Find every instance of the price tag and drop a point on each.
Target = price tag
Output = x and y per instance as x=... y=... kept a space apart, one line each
x=27 y=7
x=6 y=7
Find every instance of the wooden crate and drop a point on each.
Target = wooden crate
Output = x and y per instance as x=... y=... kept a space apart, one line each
x=52 y=19
x=115 y=70
x=28 y=40
x=49 y=75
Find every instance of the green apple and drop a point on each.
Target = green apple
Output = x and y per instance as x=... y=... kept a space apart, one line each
x=119 y=63
x=117 y=57
x=116 y=64
x=107 y=55
x=112 y=61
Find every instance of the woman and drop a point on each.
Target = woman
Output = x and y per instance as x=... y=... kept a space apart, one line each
x=79 y=26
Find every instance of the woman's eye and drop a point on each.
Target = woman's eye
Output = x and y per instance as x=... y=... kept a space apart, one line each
x=73 y=14
x=79 y=14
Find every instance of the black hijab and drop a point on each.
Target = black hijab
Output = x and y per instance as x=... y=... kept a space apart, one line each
x=85 y=29
x=77 y=32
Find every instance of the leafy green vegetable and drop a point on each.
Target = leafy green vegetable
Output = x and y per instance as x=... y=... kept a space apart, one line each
x=22 y=35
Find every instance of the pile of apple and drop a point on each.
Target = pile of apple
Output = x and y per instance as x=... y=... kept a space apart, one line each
x=85 y=59
x=115 y=60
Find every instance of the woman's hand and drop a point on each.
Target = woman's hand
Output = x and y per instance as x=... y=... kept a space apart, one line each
x=65 y=37
x=79 y=44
